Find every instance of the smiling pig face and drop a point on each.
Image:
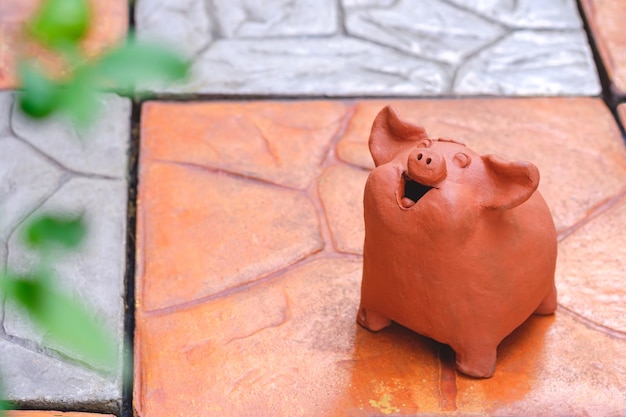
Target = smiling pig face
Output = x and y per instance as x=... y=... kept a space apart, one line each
x=458 y=247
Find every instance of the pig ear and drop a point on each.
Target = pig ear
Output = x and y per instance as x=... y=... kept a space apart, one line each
x=391 y=135
x=513 y=182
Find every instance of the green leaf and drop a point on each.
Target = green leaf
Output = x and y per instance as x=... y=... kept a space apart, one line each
x=49 y=230
x=58 y=23
x=79 y=97
x=66 y=322
x=123 y=67
x=39 y=95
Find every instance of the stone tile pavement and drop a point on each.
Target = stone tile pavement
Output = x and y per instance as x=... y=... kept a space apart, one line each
x=50 y=167
x=375 y=47
x=225 y=329
x=249 y=218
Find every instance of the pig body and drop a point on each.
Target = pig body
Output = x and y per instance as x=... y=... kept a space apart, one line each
x=458 y=247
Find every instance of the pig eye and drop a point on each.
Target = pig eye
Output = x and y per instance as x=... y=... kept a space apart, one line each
x=462 y=160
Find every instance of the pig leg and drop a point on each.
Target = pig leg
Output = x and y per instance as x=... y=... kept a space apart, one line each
x=477 y=361
x=372 y=320
x=548 y=305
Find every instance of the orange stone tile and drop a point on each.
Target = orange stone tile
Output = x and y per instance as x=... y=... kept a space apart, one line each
x=280 y=142
x=290 y=347
x=201 y=232
x=573 y=141
x=248 y=311
x=109 y=26
x=52 y=414
x=341 y=191
x=551 y=366
x=591 y=268
x=606 y=20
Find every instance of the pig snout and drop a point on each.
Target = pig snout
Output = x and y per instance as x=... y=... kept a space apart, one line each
x=427 y=167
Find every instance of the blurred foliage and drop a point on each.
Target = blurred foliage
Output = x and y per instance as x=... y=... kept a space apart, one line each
x=61 y=26
x=67 y=323
x=61 y=23
x=50 y=230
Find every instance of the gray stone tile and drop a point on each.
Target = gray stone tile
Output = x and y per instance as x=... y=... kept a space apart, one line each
x=6 y=102
x=95 y=273
x=389 y=48
x=42 y=381
x=252 y=18
x=368 y=3
x=99 y=150
x=28 y=178
x=183 y=24
x=329 y=66
x=530 y=14
x=53 y=168
x=531 y=63
x=434 y=30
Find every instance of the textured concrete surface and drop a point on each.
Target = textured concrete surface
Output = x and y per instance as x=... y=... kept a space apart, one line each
x=50 y=167
x=605 y=19
x=250 y=213
x=285 y=341
x=376 y=48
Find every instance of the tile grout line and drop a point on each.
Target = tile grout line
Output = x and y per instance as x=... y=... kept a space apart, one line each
x=313 y=191
x=616 y=334
x=128 y=349
x=608 y=95
x=263 y=279
x=224 y=171
x=595 y=211
x=129 y=276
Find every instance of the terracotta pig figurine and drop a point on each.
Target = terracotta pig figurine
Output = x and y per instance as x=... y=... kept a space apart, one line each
x=459 y=247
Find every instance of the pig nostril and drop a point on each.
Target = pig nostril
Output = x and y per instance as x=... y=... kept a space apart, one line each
x=419 y=157
x=428 y=161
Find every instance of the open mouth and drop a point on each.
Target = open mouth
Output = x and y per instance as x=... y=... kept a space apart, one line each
x=411 y=191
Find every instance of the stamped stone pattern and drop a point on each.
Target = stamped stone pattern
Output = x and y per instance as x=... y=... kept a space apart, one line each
x=95 y=274
x=205 y=232
x=252 y=138
x=530 y=63
x=249 y=212
x=591 y=275
x=92 y=152
x=341 y=191
x=50 y=168
x=357 y=47
x=557 y=14
x=284 y=340
x=110 y=24
x=39 y=378
x=424 y=31
x=336 y=66
x=250 y=18
x=606 y=19
x=188 y=25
